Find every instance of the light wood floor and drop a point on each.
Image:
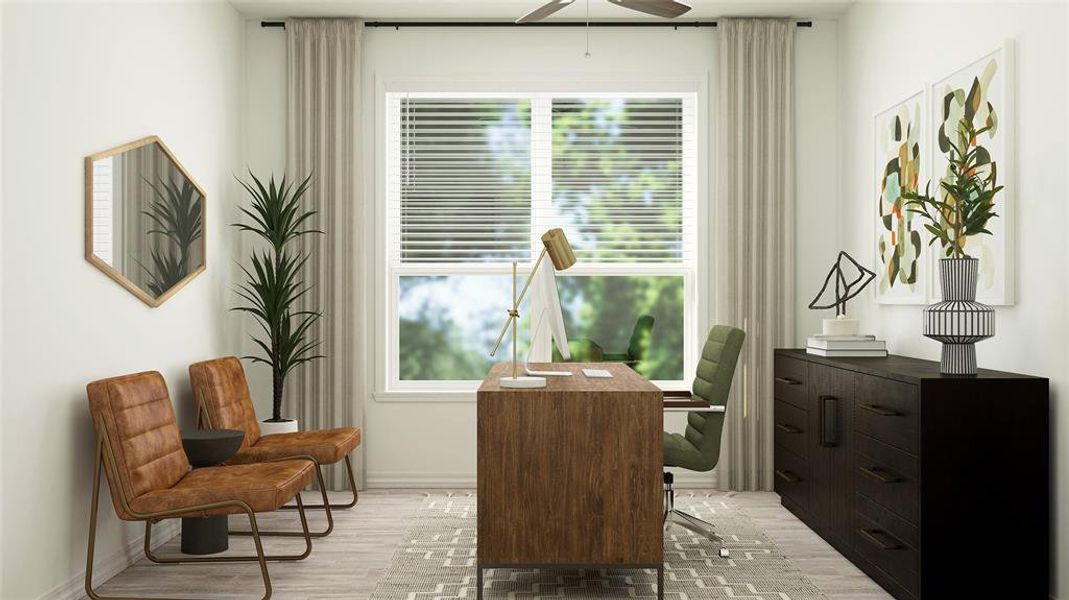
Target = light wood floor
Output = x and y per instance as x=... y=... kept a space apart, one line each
x=347 y=564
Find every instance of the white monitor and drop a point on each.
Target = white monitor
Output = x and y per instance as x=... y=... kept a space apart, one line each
x=551 y=315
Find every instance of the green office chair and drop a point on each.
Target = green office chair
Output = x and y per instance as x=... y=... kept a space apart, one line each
x=699 y=448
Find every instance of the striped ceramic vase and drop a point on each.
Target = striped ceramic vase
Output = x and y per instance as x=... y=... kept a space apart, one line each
x=959 y=321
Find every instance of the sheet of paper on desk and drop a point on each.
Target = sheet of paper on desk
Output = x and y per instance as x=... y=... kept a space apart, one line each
x=602 y=373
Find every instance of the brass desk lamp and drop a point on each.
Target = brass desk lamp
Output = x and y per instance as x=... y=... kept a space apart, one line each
x=560 y=253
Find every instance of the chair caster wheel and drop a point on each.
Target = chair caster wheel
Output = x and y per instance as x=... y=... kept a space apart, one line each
x=724 y=553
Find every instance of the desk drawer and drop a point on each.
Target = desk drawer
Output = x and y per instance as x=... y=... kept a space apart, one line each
x=790 y=381
x=886 y=410
x=887 y=542
x=792 y=477
x=791 y=428
x=888 y=476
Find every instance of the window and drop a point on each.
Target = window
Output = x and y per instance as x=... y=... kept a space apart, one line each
x=472 y=182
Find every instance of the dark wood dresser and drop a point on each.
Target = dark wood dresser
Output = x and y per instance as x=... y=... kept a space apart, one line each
x=936 y=486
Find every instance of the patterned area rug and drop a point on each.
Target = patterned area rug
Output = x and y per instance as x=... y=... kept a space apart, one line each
x=436 y=560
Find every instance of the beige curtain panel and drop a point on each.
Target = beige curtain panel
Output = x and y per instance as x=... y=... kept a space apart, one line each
x=754 y=229
x=322 y=139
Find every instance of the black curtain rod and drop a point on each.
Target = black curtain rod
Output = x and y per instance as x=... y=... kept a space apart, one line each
x=399 y=24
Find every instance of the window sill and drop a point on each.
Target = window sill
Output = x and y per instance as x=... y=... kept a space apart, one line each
x=425 y=396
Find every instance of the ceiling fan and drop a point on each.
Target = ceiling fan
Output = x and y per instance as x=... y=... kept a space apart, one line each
x=668 y=9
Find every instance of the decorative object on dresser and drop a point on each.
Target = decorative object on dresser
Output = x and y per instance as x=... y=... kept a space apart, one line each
x=144 y=219
x=840 y=335
x=981 y=93
x=274 y=285
x=961 y=211
x=891 y=462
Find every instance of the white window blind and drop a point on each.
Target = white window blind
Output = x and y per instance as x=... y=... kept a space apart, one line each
x=465 y=180
x=618 y=178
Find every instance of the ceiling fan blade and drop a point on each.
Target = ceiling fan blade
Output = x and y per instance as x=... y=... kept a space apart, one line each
x=668 y=9
x=543 y=11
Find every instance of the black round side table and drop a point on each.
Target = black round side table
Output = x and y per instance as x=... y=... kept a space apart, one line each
x=207 y=448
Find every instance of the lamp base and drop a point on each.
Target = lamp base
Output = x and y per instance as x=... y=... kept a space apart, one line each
x=522 y=382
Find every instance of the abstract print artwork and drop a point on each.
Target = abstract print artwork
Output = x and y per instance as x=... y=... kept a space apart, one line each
x=901 y=240
x=982 y=93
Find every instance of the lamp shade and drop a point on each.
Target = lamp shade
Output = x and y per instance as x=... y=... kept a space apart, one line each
x=558 y=248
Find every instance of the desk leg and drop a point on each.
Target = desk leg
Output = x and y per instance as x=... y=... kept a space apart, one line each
x=478 y=582
x=660 y=582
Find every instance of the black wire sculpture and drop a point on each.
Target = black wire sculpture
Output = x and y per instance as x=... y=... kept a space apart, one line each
x=843 y=290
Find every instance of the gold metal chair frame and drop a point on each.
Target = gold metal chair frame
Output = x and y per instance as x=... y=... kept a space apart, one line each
x=204 y=420
x=105 y=458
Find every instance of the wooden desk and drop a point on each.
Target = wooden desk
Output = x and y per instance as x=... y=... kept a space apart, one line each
x=570 y=475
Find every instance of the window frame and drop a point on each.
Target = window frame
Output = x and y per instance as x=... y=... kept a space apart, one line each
x=387 y=385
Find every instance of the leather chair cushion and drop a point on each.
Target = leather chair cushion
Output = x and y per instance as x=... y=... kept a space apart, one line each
x=221 y=387
x=328 y=446
x=264 y=487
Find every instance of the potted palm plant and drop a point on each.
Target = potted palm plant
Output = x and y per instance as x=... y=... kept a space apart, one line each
x=962 y=209
x=273 y=286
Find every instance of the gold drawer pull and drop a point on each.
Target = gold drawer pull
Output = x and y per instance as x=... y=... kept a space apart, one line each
x=787 y=476
x=784 y=427
x=880 y=410
x=788 y=381
x=880 y=475
x=874 y=537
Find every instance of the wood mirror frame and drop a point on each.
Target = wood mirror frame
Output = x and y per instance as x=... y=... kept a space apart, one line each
x=200 y=248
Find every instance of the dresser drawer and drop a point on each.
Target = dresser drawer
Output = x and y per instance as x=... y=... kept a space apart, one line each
x=888 y=476
x=790 y=381
x=791 y=428
x=792 y=477
x=886 y=410
x=887 y=542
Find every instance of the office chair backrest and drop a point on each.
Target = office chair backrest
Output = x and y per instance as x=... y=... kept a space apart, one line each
x=219 y=385
x=712 y=383
x=134 y=412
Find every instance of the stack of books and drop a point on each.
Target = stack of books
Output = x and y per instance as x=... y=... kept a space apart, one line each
x=846 y=345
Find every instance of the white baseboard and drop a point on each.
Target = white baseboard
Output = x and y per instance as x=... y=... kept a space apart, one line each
x=415 y=480
x=110 y=566
x=418 y=480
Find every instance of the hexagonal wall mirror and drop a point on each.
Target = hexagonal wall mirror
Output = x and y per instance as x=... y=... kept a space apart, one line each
x=144 y=219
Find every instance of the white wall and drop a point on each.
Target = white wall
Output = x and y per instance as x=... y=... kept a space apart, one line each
x=433 y=443
x=2 y=531
x=888 y=51
x=79 y=78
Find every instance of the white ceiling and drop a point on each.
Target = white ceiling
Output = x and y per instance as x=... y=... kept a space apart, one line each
x=493 y=10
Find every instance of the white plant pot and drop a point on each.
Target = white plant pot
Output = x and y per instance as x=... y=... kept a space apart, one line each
x=271 y=427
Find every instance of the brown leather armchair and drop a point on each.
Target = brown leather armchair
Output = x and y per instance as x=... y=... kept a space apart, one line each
x=140 y=449
x=222 y=394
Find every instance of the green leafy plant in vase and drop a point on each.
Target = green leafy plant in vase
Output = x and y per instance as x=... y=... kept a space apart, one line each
x=962 y=208
x=274 y=285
